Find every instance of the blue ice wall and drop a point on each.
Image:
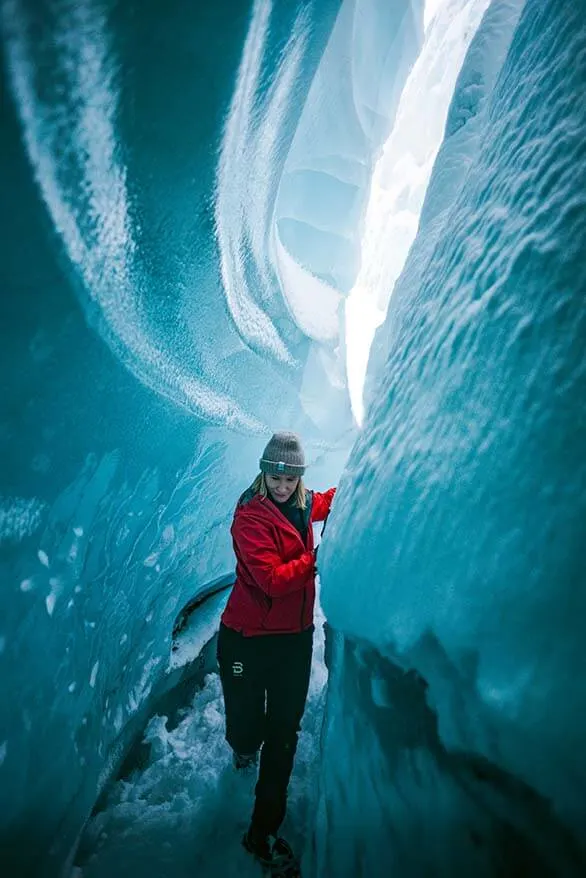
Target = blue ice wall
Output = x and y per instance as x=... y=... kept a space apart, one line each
x=460 y=661
x=134 y=402
x=349 y=113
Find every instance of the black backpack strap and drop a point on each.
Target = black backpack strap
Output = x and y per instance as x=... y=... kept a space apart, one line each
x=308 y=508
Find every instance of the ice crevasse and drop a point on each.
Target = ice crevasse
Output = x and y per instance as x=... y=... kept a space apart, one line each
x=205 y=245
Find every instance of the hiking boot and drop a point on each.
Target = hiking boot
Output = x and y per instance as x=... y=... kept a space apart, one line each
x=245 y=763
x=274 y=855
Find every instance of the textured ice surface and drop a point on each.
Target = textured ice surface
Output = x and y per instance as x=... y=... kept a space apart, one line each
x=201 y=627
x=348 y=114
x=185 y=814
x=186 y=191
x=19 y=518
x=471 y=476
x=400 y=178
x=183 y=317
x=136 y=402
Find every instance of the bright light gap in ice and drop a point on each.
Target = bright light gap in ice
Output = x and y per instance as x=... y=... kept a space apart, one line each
x=400 y=179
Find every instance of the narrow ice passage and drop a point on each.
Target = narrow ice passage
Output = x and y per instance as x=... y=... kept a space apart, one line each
x=195 y=192
x=184 y=815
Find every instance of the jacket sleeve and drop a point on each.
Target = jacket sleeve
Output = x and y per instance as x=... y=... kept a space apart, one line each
x=257 y=552
x=322 y=504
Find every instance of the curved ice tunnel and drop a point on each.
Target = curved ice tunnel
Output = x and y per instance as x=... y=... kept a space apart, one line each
x=446 y=725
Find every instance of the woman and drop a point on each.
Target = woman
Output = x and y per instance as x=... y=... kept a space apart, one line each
x=266 y=633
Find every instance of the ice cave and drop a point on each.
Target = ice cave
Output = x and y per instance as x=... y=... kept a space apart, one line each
x=363 y=221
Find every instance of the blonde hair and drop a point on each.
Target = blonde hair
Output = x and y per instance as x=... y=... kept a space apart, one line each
x=259 y=486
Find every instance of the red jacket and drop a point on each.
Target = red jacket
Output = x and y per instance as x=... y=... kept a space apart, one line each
x=274 y=592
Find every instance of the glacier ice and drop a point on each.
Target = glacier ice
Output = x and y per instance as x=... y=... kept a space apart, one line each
x=187 y=210
x=134 y=404
x=468 y=590
x=400 y=179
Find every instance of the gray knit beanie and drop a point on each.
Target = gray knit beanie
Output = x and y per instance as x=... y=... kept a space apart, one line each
x=283 y=456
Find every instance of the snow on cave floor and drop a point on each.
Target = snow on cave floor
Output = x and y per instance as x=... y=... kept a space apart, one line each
x=185 y=813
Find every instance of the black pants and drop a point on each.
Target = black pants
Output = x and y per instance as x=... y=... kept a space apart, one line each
x=265 y=681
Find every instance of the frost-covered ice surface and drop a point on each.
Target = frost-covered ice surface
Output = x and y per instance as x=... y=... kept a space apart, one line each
x=471 y=475
x=199 y=630
x=185 y=814
x=199 y=255
x=19 y=518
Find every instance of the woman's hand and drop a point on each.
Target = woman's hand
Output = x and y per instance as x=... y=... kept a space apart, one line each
x=315 y=558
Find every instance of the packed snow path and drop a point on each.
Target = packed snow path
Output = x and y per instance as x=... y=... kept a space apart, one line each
x=184 y=815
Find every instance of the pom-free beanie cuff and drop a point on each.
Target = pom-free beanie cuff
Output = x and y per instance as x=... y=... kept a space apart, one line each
x=283 y=456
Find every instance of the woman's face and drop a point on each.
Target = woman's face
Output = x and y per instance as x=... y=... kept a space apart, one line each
x=281 y=488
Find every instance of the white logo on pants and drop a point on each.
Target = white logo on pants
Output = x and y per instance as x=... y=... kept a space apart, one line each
x=237 y=669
